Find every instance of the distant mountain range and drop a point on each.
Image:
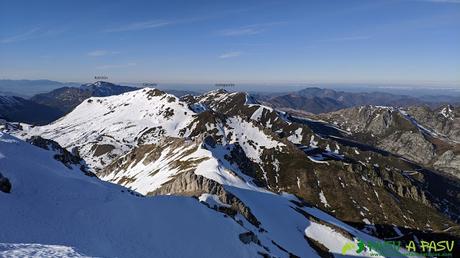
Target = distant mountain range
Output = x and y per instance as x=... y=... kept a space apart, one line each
x=66 y=98
x=317 y=100
x=62 y=100
x=28 y=88
x=47 y=107
x=18 y=109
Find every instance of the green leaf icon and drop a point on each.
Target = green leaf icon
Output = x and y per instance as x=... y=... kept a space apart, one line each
x=348 y=246
x=361 y=247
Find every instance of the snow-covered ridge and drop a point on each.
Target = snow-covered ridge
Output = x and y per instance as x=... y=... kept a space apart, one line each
x=116 y=123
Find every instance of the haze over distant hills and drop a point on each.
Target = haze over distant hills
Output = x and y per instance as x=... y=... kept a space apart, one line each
x=61 y=100
x=317 y=100
x=28 y=88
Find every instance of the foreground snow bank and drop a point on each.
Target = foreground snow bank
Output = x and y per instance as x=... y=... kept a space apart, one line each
x=52 y=205
x=37 y=250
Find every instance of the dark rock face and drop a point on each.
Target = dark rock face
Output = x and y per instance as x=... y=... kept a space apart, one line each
x=249 y=237
x=190 y=184
x=62 y=155
x=5 y=185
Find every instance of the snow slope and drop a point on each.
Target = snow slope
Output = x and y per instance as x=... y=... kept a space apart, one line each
x=116 y=121
x=38 y=250
x=55 y=210
x=52 y=205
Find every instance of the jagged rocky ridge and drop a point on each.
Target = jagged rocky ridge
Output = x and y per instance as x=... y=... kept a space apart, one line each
x=428 y=137
x=156 y=143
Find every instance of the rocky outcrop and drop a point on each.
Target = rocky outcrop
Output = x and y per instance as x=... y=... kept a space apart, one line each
x=249 y=237
x=449 y=162
x=444 y=120
x=5 y=185
x=190 y=184
x=409 y=144
x=62 y=155
x=420 y=134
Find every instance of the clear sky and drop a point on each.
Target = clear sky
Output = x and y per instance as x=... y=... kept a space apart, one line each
x=370 y=41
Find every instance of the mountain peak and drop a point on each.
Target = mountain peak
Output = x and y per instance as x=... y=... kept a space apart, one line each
x=98 y=84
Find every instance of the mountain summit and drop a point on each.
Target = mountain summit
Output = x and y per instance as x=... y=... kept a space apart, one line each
x=66 y=98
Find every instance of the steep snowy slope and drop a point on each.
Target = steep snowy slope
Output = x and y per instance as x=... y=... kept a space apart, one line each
x=50 y=204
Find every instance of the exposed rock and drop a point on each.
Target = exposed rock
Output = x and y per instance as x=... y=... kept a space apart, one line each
x=417 y=133
x=101 y=149
x=249 y=237
x=5 y=185
x=62 y=155
x=449 y=162
x=190 y=184
x=444 y=120
x=411 y=145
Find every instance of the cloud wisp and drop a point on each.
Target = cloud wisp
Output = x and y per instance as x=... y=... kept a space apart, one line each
x=31 y=34
x=137 y=26
x=232 y=54
x=101 y=52
x=252 y=29
x=341 y=39
x=113 y=66
x=20 y=37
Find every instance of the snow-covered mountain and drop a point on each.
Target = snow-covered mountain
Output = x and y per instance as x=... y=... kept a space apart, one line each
x=260 y=166
x=51 y=204
x=104 y=128
x=67 y=98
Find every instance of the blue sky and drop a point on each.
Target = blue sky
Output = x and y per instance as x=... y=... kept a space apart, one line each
x=365 y=41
